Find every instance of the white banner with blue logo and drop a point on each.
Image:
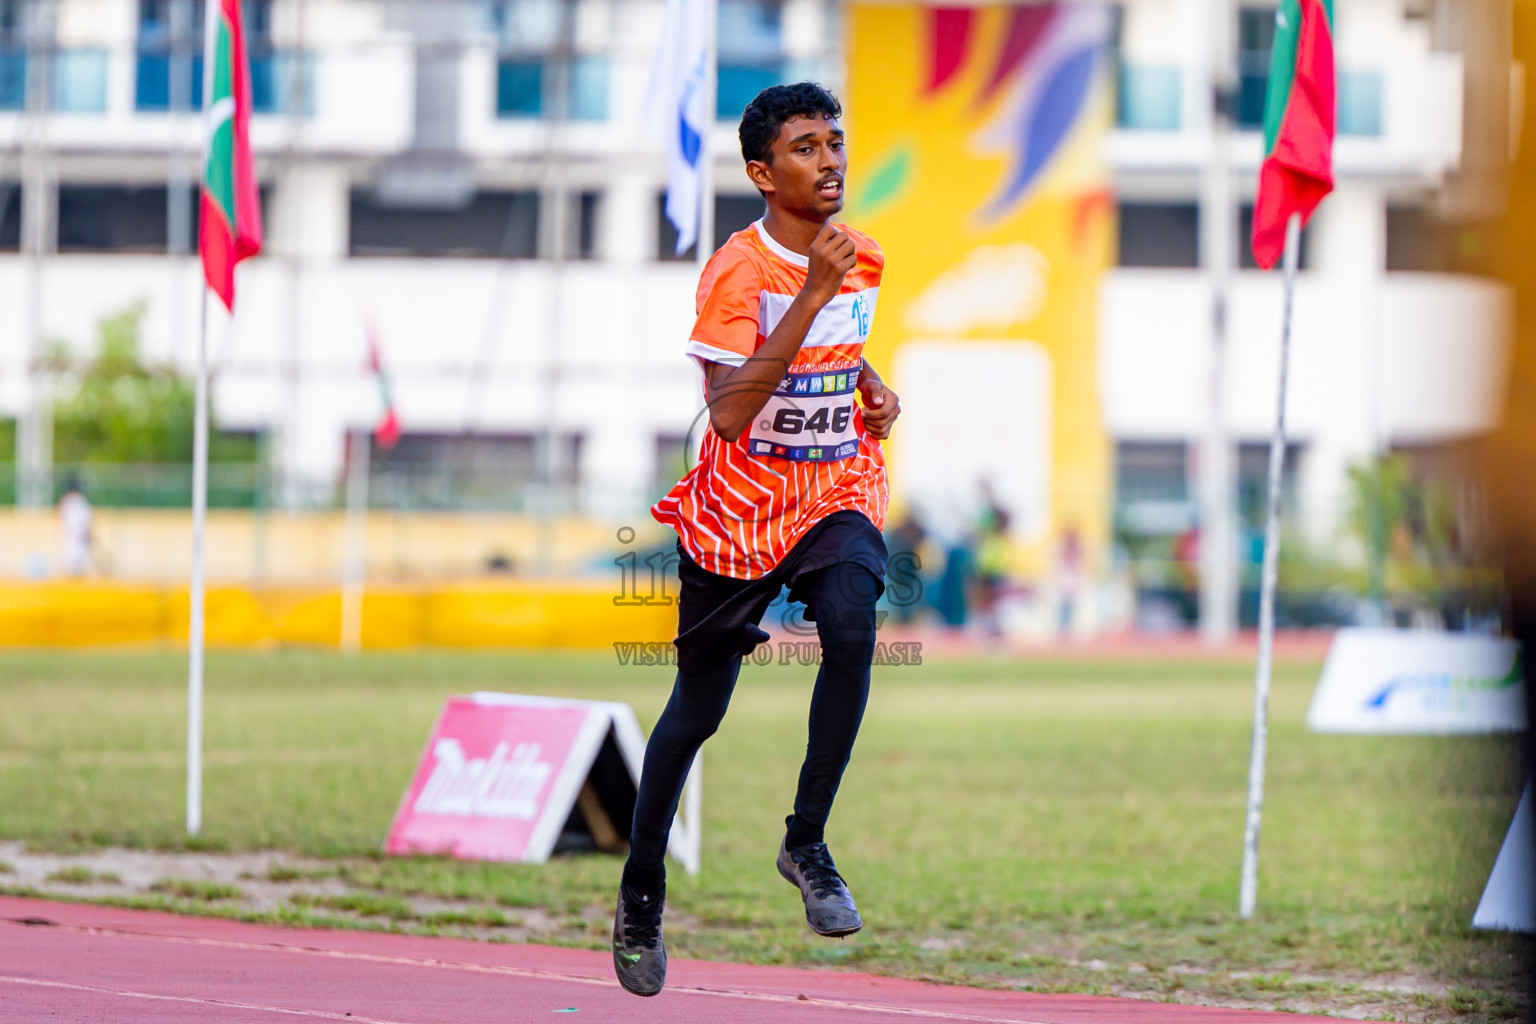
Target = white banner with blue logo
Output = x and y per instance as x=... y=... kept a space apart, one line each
x=1418 y=681
x=675 y=109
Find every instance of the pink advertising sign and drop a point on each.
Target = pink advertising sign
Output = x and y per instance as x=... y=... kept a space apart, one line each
x=497 y=779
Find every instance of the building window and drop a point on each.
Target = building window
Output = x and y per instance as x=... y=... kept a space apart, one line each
x=80 y=81
x=98 y=218
x=101 y=218
x=1159 y=235
x=164 y=46
x=1146 y=98
x=1153 y=497
x=584 y=225
x=159 y=42
x=267 y=96
x=1245 y=241
x=528 y=35
x=1255 y=40
x=732 y=214
x=10 y=216
x=520 y=88
x=589 y=89
x=1360 y=103
x=1253 y=483
x=1151 y=471
x=1150 y=99
x=13 y=56
x=493 y=225
x=751 y=53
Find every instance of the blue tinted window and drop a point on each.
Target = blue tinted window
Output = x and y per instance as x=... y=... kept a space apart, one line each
x=520 y=88
x=80 y=81
x=739 y=84
x=750 y=30
x=589 y=89
x=751 y=44
x=13 y=79
x=152 y=83
x=280 y=80
x=1255 y=40
x=1150 y=99
x=264 y=98
x=157 y=44
x=1360 y=103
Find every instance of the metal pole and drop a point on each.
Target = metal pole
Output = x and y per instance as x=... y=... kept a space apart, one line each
x=1218 y=234
x=195 y=604
x=704 y=248
x=354 y=572
x=39 y=206
x=1263 y=670
x=286 y=422
x=199 y=504
x=550 y=454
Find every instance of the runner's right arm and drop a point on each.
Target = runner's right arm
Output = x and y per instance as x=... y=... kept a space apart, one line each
x=736 y=394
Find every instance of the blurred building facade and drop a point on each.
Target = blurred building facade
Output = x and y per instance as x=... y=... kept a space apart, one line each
x=472 y=177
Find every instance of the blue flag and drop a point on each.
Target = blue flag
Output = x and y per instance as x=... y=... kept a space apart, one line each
x=675 y=109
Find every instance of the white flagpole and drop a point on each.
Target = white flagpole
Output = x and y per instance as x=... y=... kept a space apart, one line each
x=354 y=571
x=199 y=493
x=195 y=608
x=704 y=248
x=1264 y=669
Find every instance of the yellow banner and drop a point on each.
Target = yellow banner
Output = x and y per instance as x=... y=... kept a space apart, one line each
x=974 y=142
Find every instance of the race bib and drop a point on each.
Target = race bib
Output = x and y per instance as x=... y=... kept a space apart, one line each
x=809 y=418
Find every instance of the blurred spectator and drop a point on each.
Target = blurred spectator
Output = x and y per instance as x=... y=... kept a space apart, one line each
x=75 y=529
x=1069 y=578
x=949 y=593
x=905 y=543
x=1186 y=557
x=992 y=556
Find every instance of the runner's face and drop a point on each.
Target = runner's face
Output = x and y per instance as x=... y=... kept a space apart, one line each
x=808 y=166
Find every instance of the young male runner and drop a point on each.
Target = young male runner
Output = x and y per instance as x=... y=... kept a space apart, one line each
x=789 y=490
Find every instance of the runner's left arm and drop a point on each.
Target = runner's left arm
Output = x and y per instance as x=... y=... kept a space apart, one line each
x=881 y=404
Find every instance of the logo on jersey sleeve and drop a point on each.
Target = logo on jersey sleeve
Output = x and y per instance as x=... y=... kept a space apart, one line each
x=861 y=314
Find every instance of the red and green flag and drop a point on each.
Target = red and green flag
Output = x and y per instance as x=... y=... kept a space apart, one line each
x=388 y=430
x=1298 y=124
x=230 y=215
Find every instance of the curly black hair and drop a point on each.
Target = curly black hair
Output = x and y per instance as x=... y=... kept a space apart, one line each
x=766 y=114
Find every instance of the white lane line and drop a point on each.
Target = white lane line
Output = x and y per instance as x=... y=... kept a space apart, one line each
x=528 y=972
x=231 y=1004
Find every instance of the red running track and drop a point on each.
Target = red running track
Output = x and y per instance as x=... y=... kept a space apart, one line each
x=63 y=962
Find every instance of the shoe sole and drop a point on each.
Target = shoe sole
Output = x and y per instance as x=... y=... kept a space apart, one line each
x=632 y=991
x=831 y=933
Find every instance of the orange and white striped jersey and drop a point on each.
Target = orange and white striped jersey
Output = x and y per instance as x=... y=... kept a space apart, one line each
x=806 y=455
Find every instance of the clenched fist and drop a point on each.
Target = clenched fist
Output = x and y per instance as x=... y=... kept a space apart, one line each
x=832 y=255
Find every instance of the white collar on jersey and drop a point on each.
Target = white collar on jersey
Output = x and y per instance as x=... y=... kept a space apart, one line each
x=777 y=249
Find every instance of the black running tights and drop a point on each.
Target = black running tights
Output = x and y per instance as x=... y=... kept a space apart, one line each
x=841 y=598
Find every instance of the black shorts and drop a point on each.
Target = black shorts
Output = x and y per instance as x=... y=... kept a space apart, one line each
x=718 y=616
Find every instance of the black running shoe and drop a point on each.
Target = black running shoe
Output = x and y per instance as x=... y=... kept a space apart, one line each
x=829 y=908
x=639 y=954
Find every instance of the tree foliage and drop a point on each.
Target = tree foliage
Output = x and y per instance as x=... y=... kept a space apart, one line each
x=115 y=408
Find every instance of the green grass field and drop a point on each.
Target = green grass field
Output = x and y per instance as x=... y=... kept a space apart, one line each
x=1062 y=825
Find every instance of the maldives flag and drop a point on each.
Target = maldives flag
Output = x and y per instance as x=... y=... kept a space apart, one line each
x=1298 y=124
x=388 y=430
x=230 y=217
